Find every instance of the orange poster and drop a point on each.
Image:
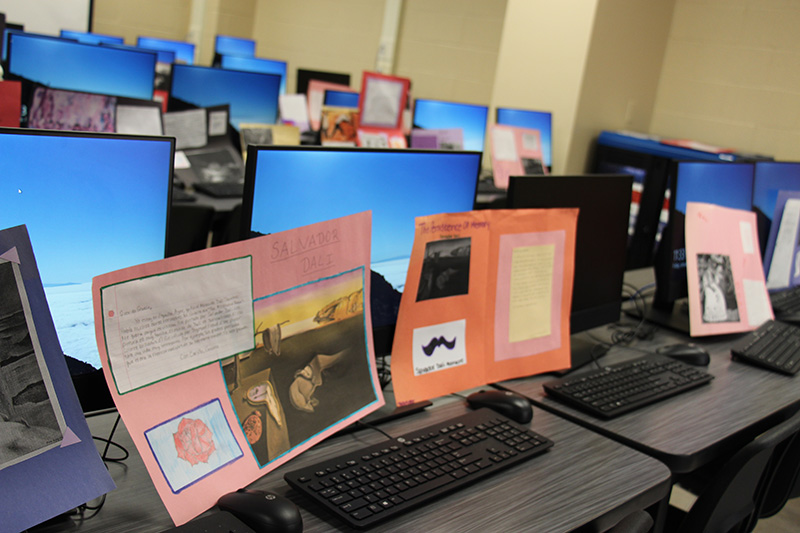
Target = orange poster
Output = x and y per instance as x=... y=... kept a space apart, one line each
x=487 y=298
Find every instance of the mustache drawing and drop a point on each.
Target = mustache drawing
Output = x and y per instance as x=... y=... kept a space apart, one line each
x=436 y=342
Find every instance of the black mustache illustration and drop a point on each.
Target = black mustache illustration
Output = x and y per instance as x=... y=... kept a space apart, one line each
x=436 y=342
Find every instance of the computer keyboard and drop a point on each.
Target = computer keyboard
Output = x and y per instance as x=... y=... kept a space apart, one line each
x=222 y=189
x=774 y=345
x=627 y=386
x=786 y=304
x=379 y=482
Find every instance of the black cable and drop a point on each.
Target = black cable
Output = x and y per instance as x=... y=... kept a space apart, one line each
x=376 y=428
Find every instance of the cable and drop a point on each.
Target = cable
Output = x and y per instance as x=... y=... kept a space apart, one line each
x=376 y=428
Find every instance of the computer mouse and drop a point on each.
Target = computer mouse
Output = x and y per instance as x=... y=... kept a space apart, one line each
x=689 y=353
x=263 y=511
x=507 y=403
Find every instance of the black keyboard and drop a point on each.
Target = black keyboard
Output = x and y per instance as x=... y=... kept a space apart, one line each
x=774 y=345
x=786 y=304
x=379 y=482
x=624 y=387
x=222 y=189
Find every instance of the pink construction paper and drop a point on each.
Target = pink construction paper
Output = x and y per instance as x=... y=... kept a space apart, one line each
x=283 y=263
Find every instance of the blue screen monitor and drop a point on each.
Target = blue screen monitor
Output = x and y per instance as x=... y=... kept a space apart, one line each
x=328 y=182
x=723 y=184
x=184 y=52
x=256 y=64
x=91 y=38
x=340 y=98
x=536 y=120
x=252 y=96
x=10 y=31
x=234 y=46
x=437 y=114
x=162 y=56
x=92 y=203
x=771 y=177
x=65 y=64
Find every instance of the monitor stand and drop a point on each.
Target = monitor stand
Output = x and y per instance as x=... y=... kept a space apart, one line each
x=675 y=317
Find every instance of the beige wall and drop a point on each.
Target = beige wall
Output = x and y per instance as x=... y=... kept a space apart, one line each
x=543 y=54
x=166 y=19
x=623 y=66
x=731 y=76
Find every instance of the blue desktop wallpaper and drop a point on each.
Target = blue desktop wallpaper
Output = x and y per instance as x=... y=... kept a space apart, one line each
x=253 y=96
x=92 y=205
x=725 y=184
x=341 y=98
x=298 y=187
x=65 y=64
x=537 y=120
x=235 y=46
x=256 y=64
x=184 y=52
x=770 y=178
x=435 y=114
x=91 y=38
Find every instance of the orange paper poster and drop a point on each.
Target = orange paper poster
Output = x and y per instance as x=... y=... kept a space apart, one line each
x=725 y=277
x=487 y=298
x=515 y=152
x=228 y=362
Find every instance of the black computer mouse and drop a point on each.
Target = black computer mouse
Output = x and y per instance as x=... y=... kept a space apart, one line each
x=263 y=511
x=507 y=403
x=689 y=353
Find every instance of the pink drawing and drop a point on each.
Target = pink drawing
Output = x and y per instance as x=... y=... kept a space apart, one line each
x=194 y=442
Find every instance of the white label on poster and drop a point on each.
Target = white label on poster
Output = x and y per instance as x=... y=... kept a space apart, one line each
x=756 y=302
x=531 y=292
x=160 y=326
x=439 y=347
x=503 y=145
x=746 y=232
x=530 y=142
x=217 y=123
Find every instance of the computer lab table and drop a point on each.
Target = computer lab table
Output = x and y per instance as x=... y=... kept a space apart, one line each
x=695 y=427
x=585 y=481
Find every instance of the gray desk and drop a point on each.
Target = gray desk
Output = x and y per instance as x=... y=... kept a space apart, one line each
x=691 y=429
x=585 y=480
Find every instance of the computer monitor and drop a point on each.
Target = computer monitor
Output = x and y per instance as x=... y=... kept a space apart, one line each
x=184 y=51
x=65 y=64
x=769 y=179
x=536 y=120
x=341 y=98
x=162 y=56
x=92 y=203
x=234 y=46
x=256 y=64
x=330 y=182
x=306 y=75
x=252 y=96
x=602 y=235
x=8 y=31
x=724 y=184
x=438 y=115
x=91 y=38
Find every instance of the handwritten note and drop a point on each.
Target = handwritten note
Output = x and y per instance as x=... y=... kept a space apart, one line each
x=531 y=290
x=160 y=326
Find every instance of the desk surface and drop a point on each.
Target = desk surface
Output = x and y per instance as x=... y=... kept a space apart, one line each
x=690 y=429
x=584 y=479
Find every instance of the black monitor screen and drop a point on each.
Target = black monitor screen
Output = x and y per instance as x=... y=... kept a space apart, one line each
x=602 y=235
x=162 y=56
x=535 y=120
x=66 y=64
x=234 y=46
x=92 y=203
x=724 y=184
x=397 y=185
x=437 y=115
x=91 y=38
x=184 y=51
x=256 y=64
x=340 y=98
x=305 y=75
x=252 y=96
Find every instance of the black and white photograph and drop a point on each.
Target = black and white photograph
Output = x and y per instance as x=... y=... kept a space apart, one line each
x=216 y=166
x=717 y=291
x=29 y=424
x=445 y=269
